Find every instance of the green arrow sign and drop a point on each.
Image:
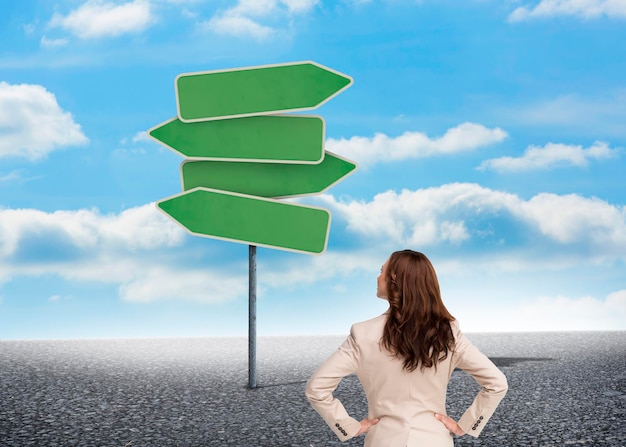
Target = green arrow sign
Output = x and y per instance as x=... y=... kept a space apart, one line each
x=267 y=179
x=250 y=220
x=256 y=90
x=275 y=138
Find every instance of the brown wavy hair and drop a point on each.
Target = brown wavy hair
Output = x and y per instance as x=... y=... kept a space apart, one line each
x=418 y=325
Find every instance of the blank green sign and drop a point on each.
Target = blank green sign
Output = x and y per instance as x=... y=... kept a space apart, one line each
x=289 y=138
x=250 y=220
x=256 y=90
x=266 y=179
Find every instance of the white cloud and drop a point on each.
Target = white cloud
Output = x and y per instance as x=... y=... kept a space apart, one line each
x=554 y=225
x=588 y=9
x=33 y=124
x=311 y=269
x=100 y=18
x=58 y=298
x=255 y=8
x=425 y=217
x=572 y=219
x=547 y=313
x=29 y=28
x=238 y=26
x=381 y=148
x=85 y=230
x=53 y=43
x=15 y=176
x=242 y=20
x=299 y=6
x=182 y=2
x=262 y=8
x=147 y=257
x=551 y=155
x=603 y=113
x=122 y=153
x=139 y=249
x=141 y=136
x=188 y=14
x=190 y=285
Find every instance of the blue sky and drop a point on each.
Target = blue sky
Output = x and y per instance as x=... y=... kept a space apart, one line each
x=489 y=135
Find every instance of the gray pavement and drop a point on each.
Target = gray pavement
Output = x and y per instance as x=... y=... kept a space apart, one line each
x=565 y=389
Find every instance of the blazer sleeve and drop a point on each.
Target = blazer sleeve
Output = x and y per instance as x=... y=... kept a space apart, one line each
x=324 y=381
x=492 y=381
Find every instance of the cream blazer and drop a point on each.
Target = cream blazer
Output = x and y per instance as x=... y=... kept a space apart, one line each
x=404 y=401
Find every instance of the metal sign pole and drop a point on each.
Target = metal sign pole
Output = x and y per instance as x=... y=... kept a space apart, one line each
x=252 y=316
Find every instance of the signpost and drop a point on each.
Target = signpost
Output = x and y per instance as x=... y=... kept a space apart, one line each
x=275 y=138
x=249 y=219
x=267 y=179
x=242 y=156
x=264 y=90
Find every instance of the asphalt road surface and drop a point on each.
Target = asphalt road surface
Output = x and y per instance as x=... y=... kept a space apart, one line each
x=564 y=389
